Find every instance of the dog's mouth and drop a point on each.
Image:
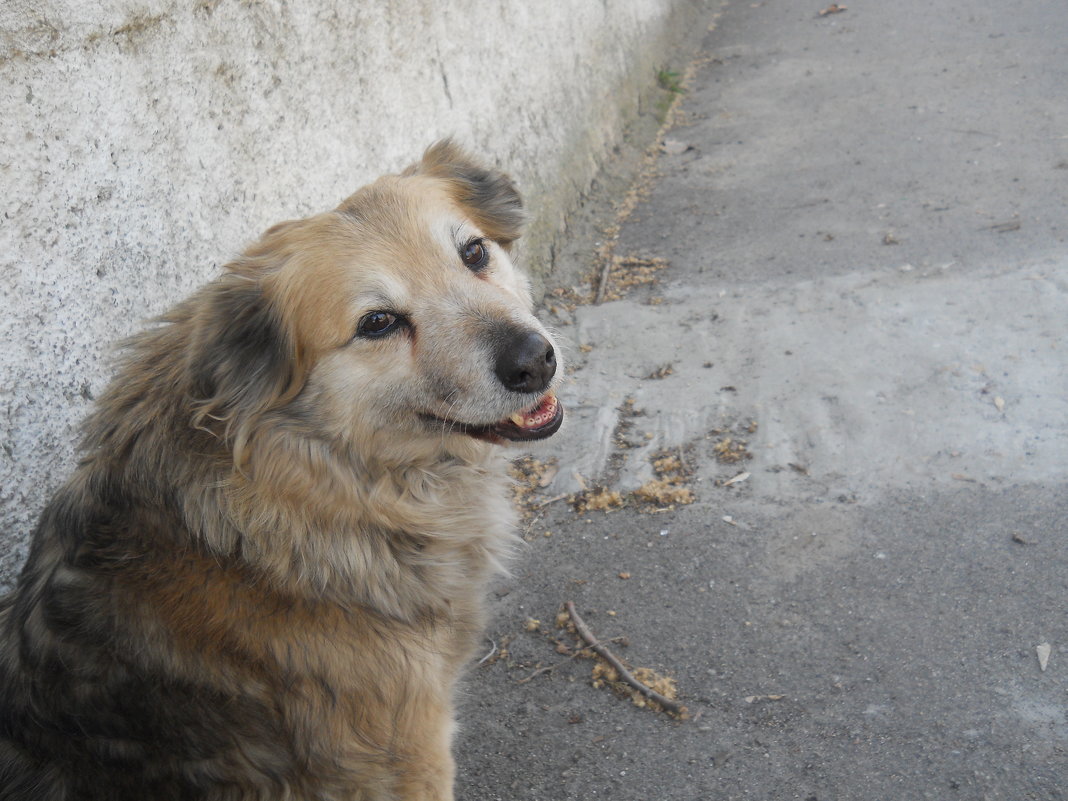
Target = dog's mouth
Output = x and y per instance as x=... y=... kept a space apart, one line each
x=538 y=422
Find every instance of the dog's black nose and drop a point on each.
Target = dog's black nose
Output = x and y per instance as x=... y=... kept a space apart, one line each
x=526 y=362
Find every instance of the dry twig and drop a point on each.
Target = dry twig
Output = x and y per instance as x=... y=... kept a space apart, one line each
x=613 y=660
x=555 y=665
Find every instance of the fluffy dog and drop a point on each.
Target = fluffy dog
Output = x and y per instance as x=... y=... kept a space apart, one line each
x=267 y=571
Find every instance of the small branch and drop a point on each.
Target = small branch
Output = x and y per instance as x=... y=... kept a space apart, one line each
x=602 y=282
x=613 y=660
x=552 y=500
x=547 y=668
x=490 y=654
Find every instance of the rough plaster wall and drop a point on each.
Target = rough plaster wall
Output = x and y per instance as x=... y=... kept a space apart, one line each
x=144 y=143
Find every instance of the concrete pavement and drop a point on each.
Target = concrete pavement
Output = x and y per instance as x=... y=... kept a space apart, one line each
x=853 y=364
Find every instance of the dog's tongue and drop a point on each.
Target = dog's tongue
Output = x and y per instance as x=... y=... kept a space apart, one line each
x=538 y=416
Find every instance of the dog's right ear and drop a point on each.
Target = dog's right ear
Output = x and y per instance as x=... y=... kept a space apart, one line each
x=489 y=195
x=243 y=361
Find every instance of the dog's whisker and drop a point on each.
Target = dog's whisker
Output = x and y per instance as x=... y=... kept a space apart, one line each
x=448 y=424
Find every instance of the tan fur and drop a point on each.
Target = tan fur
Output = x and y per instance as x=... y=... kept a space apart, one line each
x=284 y=526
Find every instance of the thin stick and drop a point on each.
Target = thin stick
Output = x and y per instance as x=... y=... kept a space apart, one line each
x=602 y=281
x=547 y=668
x=611 y=659
x=552 y=500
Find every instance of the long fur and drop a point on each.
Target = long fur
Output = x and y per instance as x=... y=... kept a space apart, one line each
x=266 y=573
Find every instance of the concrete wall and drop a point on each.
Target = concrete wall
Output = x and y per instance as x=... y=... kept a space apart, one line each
x=143 y=143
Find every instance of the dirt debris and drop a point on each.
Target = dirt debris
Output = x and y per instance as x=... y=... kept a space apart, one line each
x=667 y=464
x=604 y=283
x=661 y=372
x=604 y=675
x=596 y=499
x=664 y=493
x=530 y=475
x=623 y=274
x=625 y=425
x=729 y=450
x=669 y=489
x=631 y=271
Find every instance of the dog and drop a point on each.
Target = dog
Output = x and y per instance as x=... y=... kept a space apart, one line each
x=265 y=576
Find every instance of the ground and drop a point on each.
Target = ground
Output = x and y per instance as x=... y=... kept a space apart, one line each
x=814 y=467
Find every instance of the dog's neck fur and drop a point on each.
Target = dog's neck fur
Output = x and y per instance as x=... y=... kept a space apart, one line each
x=425 y=518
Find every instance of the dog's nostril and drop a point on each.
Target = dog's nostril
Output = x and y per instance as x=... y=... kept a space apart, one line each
x=526 y=362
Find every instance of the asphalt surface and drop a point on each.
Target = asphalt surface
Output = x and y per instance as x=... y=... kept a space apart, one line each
x=856 y=352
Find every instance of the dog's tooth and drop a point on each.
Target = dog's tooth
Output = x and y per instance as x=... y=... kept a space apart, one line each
x=537 y=416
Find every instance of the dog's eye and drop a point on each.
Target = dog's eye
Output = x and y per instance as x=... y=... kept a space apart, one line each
x=377 y=323
x=475 y=254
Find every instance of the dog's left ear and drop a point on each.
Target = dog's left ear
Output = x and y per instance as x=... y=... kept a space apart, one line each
x=489 y=195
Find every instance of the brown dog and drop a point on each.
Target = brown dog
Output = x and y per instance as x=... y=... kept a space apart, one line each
x=266 y=574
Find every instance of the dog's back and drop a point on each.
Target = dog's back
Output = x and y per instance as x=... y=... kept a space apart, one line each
x=95 y=701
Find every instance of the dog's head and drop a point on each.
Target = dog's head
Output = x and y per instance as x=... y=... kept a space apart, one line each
x=401 y=310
